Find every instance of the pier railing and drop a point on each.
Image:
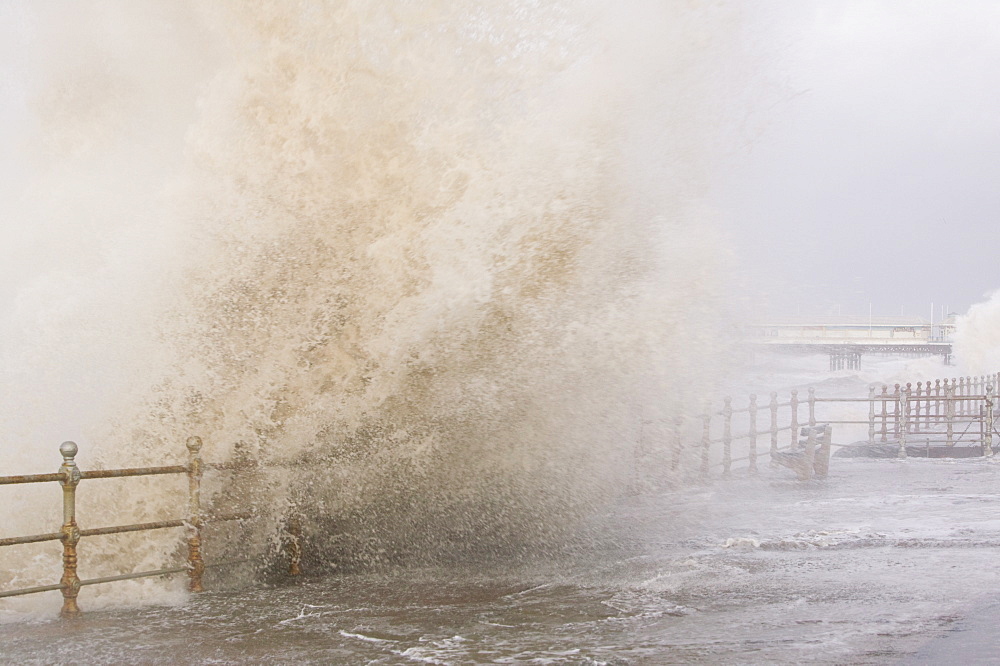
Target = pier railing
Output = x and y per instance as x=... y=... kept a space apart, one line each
x=948 y=412
x=69 y=477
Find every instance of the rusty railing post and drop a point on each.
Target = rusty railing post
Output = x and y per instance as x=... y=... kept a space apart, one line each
x=752 y=410
x=969 y=391
x=930 y=419
x=871 y=414
x=70 y=532
x=961 y=396
x=294 y=545
x=981 y=420
x=969 y=410
x=897 y=415
x=885 y=412
x=904 y=411
x=988 y=438
x=794 y=434
x=937 y=400
x=812 y=406
x=949 y=411
x=928 y=404
x=971 y=402
x=196 y=565
x=928 y=424
x=908 y=416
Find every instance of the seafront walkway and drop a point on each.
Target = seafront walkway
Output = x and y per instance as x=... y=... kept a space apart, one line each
x=886 y=561
x=941 y=418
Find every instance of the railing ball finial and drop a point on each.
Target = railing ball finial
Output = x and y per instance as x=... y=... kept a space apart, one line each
x=193 y=444
x=68 y=450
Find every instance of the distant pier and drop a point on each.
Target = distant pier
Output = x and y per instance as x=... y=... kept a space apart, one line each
x=846 y=339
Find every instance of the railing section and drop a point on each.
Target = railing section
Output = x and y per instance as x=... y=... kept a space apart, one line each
x=769 y=421
x=942 y=411
x=69 y=477
x=945 y=411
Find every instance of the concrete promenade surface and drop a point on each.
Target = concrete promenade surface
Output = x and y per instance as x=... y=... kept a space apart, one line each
x=884 y=562
x=975 y=638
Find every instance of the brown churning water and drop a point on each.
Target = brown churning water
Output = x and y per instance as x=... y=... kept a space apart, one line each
x=448 y=255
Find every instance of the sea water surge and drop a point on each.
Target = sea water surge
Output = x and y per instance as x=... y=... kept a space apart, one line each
x=431 y=267
x=871 y=565
x=424 y=263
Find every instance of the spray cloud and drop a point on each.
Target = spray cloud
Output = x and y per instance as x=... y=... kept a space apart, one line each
x=447 y=254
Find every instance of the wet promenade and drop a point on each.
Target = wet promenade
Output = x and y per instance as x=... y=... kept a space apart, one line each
x=885 y=562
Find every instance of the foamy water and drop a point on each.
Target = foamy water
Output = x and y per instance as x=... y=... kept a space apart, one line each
x=867 y=566
x=441 y=254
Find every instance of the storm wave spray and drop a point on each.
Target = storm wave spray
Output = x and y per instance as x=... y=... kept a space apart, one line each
x=977 y=345
x=446 y=256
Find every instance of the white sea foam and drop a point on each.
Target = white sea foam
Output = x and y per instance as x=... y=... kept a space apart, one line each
x=977 y=337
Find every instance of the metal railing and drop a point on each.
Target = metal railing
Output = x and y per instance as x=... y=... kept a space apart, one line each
x=69 y=477
x=936 y=411
x=943 y=411
x=779 y=418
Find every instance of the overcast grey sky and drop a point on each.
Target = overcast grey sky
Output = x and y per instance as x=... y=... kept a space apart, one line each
x=876 y=177
x=869 y=170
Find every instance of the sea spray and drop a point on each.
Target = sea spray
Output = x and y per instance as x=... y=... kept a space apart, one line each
x=977 y=342
x=404 y=245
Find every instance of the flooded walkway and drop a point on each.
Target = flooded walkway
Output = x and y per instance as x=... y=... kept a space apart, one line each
x=869 y=566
